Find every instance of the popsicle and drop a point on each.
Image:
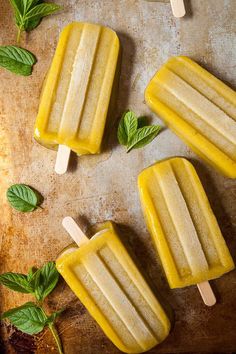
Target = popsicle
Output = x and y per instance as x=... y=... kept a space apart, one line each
x=182 y=225
x=77 y=91
x=104 y=277
x=199 y=108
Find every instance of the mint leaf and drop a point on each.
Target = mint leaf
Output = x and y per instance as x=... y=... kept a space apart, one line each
x=17 y=282
x=42 y=10
x=131 y=124
x=20 y=55
x=31 y=24
x=31 y=277
x=121 y=133
x=30 y=274
x=17 y=60
x=23 y=198
x=143 y=136
x=127 y=127
x=18 y=6
x=28 y=4
x=28 y=318
x=46 y=279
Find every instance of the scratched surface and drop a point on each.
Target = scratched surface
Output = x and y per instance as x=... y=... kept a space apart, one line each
x=104 y=187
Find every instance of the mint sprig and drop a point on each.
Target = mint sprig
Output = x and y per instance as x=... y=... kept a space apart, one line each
x=29 y=13
x=134 y=132
x=31 y=317
x=17 y=60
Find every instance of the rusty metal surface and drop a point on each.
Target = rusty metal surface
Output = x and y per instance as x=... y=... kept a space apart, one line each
x=104 y=186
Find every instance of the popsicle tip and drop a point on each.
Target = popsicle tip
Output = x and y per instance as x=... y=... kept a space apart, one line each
x=62 y=160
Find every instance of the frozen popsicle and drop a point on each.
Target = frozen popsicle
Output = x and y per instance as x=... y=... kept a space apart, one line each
x=104 y=277
x=199 y=108
x=77 y=91
x=182 y=225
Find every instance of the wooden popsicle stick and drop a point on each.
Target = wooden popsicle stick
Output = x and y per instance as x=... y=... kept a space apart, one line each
x=207 y=293
x=62 y=161
x=74 y=231
x=178 y=8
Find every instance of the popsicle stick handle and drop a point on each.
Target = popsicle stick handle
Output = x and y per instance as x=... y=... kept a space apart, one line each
x=207 y=293
x=178 y=8
x=74 y=231
x=62 y=161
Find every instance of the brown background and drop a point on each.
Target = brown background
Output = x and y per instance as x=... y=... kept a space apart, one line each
x=104 y=187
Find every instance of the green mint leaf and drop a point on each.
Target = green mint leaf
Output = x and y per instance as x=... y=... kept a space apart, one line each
x=42 y=10
x=28 y=318
x=31 y=277
x=53 y=316
x=121 y=133
x=131 y=124
x=23 y=198
x=46 y=279
x=28 y=4
x=17 y=282
x=127 y=127
x=18 y=6
x=17 y=60
x=143 y=136
x=31 y=24
x=30 y=274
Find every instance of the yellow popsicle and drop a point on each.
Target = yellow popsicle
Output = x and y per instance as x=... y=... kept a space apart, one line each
x=77 y=90
x=199 y=108
x=182 y=225
x=104 y=277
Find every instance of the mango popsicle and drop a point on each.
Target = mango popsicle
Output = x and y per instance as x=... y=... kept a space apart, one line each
x=199 y=108
x=105 y=279
x=182 y=225
x=77 y=90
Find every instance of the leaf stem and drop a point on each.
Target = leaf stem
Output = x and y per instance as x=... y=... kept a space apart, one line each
x=56 y=337
x=18 y=35
x=55 y=334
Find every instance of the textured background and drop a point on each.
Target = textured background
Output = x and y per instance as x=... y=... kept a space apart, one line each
x=104 y=187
